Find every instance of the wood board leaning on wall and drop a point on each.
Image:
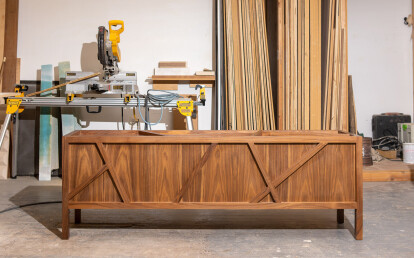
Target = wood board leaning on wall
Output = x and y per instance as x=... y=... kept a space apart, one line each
x=312 y=63
x=249 y=100
x=303 y=57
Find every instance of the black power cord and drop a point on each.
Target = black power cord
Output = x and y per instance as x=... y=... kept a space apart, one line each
x=28 y=205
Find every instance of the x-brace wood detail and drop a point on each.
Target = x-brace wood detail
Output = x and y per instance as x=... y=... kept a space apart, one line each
x=106 y=167
x=196 y=171
x=287 y=173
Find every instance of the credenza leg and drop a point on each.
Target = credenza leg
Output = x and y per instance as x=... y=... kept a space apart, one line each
x=78 y=216
x=65 y=222
x=358 y=224
x=340 y=216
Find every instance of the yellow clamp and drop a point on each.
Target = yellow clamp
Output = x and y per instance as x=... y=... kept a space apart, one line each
x=70 y=97
x=127 y=98
x=203 y=94
x=185 y=106
x=114 y=36
x=13 y=105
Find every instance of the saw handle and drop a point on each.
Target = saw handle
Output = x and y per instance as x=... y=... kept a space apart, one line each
x=114 y=34
x=114 y=37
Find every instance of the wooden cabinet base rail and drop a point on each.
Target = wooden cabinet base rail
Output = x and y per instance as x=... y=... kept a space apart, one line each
x=212 y=170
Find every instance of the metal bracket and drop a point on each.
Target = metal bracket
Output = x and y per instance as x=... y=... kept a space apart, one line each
x=94 y=112
x=185 y=106
x=70 y=97
x=127 y=98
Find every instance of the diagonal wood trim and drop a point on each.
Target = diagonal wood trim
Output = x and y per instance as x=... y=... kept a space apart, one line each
x=113 y=175
x=150 y=133
x=305 y=158
x=258 y=133
x=195 y=172
x=261 y=195
x=263 y=172
x=87 y=182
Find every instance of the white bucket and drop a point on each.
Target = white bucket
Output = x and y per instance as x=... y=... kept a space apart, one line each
x=408 y=153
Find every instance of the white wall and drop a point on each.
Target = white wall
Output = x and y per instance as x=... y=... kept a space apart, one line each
x=51 y=31
x=380 y=58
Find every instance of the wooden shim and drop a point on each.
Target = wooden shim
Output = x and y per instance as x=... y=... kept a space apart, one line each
x=307 y=68
x=300 y=60
x=287 y=67
x=238 y=82
x=335 y=73
x=165 y=86
x=315 y=65
x=281 y=114
x=328 y=101
x=292 y=65
x=270 y=100
x=351 y=107
x=295 y=66
x=344 y=95
x=172 y=64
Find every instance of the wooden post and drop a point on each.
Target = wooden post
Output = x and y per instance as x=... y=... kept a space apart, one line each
x=78 y=216
x=359 y=190
x=340 y=216
x=10 y=45
x=65 y=199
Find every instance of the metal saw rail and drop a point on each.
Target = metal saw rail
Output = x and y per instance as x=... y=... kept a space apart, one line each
x=92 y=102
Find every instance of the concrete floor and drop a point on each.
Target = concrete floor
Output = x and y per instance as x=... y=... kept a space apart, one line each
x=35 y=230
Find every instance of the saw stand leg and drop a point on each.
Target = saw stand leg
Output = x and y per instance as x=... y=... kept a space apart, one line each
x=14 y=140
x=4 y=128
x=15 y=148
x=189 y=123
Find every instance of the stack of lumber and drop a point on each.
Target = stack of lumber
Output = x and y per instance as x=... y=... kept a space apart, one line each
x=299 y=65
x=248 y=92
x=335 y=65
x=312 y=65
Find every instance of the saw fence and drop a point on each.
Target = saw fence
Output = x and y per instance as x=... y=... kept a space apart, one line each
x=291 y=69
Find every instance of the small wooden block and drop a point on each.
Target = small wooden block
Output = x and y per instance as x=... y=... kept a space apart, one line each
x=165 y=86
x=205 y=73
x=172 y=64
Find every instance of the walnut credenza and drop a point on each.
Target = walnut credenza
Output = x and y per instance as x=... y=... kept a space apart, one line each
x=212 y=170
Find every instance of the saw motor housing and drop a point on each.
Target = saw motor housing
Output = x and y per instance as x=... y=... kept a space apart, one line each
x=109 y=54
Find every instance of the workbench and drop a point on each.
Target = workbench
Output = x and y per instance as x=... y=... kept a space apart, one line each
x=212 y=170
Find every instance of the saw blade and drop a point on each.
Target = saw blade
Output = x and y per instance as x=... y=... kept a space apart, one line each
x=102 y=51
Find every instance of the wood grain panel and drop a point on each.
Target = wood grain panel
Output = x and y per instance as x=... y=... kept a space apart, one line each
x=149 y=173
x=231 y=175
x=324 y=178
x=279 y=157
x=87 y=163
x=192 y=154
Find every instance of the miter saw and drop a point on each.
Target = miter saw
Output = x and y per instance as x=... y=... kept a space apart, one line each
x=114 y=81
x=82 y=88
